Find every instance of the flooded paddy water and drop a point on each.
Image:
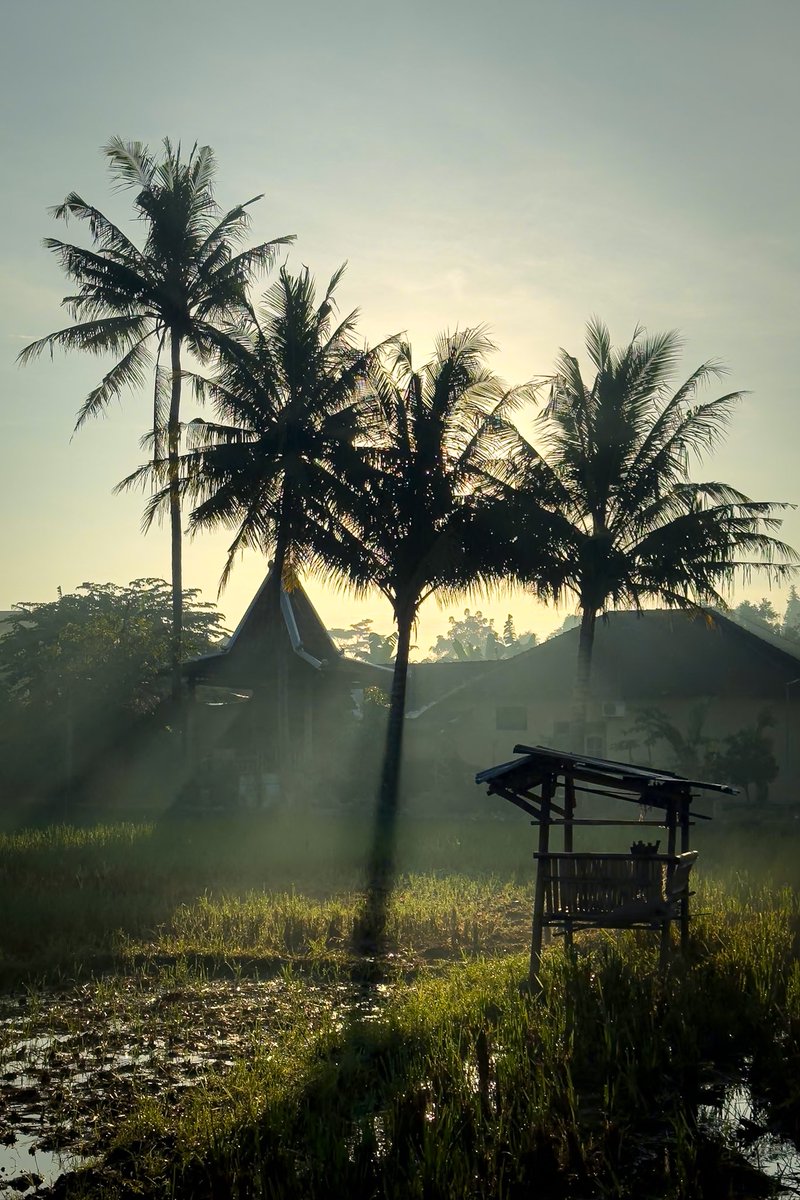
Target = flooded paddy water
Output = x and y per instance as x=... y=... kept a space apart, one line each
x=74 y=1062
x=732 y=1113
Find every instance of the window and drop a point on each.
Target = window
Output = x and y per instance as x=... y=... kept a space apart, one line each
x=512 y=716
x=595 y=745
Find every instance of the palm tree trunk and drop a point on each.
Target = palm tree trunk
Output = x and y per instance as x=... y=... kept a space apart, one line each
x=371 y=932
x=585 y=648
x=281 y=651
x=173 y=449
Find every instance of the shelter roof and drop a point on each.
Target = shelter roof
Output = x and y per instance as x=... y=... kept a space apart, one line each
x=604 y=776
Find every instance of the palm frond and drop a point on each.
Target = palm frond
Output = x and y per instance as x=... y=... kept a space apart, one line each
x=130 y=371
x=610 y=478
x=108 y=236
x=598 y=343
x=109 y=335
x=131 y=163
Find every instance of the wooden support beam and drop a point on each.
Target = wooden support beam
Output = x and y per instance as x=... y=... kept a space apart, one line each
x=671 y=832
x=513 y=798
x=602 y=821
x=539 y=889
x=607 y=793
x=538 y=800
x=569 y=798
x=684 y=918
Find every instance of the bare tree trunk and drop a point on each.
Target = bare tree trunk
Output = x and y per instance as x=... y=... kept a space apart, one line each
x=173 y=451
x=380 y=877
x=281 y=652
x=585 y=648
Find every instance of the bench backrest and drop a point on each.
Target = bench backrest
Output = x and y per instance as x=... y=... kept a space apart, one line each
x=678 y=881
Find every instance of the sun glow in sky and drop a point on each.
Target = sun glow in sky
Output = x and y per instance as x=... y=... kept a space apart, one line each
x=523 y=166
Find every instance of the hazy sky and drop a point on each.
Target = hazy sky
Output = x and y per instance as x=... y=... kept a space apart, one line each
x=523 y=165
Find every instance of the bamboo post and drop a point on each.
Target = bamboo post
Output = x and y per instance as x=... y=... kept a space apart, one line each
x=542 y=870
x=569 y=811
x=685 y=805
x=671 y=832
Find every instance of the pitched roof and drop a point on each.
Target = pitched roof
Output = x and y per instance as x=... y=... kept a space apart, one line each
x=604 y=775
x=648 y=656
x=242 y=660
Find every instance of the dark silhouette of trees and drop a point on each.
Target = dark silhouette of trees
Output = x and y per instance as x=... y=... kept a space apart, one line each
x=283 y=454
x=763 y=614
x=744 y=758
x=362 y=641
x=80 y=671
x=791 y=618
x=172 y=296
x=420 y=523
x=613 y=459
x=473 y=638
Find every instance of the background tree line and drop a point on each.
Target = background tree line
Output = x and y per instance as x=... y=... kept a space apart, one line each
x=86 y=672
x=744 y=758
x=470 y=638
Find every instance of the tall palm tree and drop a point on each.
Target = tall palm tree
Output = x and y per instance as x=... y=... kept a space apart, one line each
x=171 y=294
x=613 y=461
x=291 y=414
x=422 y=522
x=290 y=409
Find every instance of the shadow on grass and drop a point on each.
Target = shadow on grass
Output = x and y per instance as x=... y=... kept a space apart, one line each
x=463 y=1093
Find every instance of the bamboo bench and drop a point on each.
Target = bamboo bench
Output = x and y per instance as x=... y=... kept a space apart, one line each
x=614 y=891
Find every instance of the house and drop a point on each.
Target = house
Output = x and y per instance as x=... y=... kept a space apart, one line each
x=693 y=670
x=263 y=706
x=280 y=711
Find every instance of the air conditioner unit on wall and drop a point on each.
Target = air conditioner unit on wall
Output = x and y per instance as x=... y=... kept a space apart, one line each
x=614 y=708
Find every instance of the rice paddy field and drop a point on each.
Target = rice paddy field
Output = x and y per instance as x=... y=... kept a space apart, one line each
x=183 y=1013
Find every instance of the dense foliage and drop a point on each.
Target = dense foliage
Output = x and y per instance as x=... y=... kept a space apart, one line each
x=473 y=638
x=744 y=757
x=288 y=402
x=610 y=475
x=78 y=671
x=360 y=640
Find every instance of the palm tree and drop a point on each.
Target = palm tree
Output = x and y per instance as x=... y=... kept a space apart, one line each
x=291 y=413
x=422 y=522
x=613 y=461
x=174 y=292
x=290 y=409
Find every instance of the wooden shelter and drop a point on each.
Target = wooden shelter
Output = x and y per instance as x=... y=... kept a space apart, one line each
x=590 y=890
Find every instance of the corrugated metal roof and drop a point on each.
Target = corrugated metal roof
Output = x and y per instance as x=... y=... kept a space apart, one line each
x=540 y=762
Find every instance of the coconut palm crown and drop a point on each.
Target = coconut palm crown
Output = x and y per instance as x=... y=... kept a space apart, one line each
x=291 y=411
x=613 y=459
x=172 y=293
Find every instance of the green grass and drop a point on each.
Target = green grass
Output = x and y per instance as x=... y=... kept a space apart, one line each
x=464 y=1086
x=72 y=898
x=442 y=916
x=445 y=1081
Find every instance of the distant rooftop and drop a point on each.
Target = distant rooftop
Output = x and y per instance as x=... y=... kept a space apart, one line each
x=645 y=657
